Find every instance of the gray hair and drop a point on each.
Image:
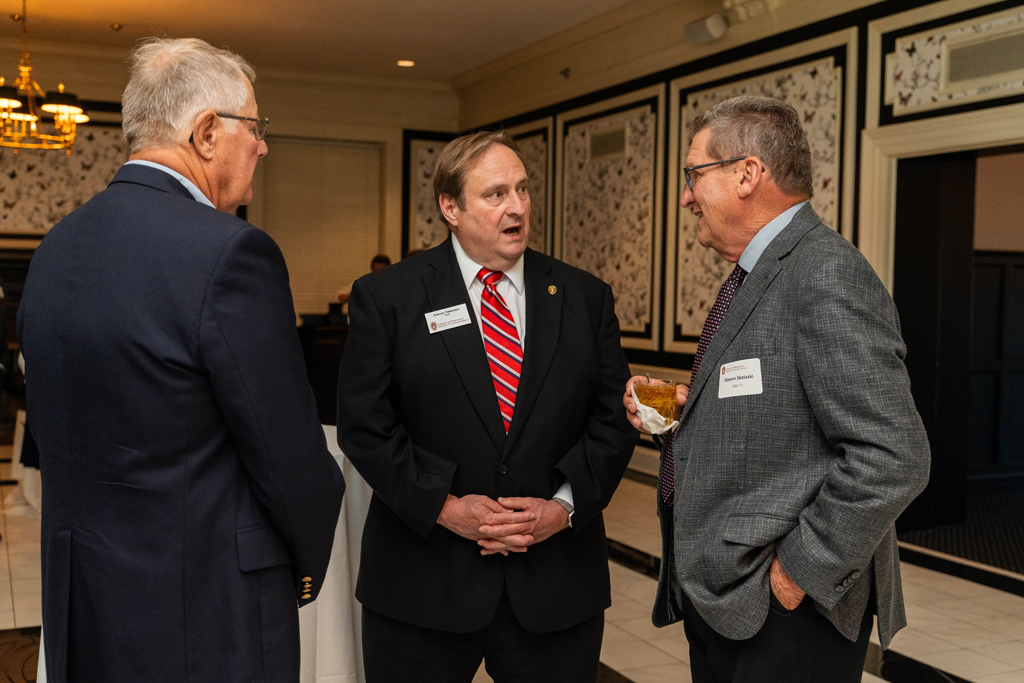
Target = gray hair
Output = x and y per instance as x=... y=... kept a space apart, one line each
x=172 y=81
x=763 y=127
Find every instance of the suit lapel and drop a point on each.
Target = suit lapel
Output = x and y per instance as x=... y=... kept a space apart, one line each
x=543 y=322
x=465 y=347
x=743 y=304
x=747 y=297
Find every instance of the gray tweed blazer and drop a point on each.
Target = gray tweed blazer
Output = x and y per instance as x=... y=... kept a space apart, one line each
x=816 y=468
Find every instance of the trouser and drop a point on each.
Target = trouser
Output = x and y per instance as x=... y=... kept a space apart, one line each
x=793 y=646
x=398 y=652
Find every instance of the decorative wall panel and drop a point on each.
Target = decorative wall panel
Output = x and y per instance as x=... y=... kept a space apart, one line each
x=38 y=188
x=815 y=88
x=535 y=143
x=610 y=205
x=917 y=76
x=424 y=228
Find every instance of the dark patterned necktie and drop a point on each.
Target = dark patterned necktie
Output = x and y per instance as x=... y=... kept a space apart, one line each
x=501 y=341
x=667 y=481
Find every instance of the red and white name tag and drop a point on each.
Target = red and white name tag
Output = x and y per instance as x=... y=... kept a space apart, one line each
x=741 y=378
x=447 y=318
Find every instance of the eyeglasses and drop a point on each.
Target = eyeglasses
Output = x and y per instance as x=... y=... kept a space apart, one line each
x=690 y=180
x=260 y=131
x=261 y=124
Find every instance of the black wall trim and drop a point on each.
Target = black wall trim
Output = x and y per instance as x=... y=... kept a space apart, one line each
x=1007 y=584
x=407 y=138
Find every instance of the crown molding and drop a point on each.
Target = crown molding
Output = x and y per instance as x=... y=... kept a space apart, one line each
x=279 y=74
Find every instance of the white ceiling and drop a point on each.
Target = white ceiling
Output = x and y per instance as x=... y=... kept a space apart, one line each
x=361 y=37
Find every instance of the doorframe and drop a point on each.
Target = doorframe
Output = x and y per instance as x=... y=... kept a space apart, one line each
x=881 y=148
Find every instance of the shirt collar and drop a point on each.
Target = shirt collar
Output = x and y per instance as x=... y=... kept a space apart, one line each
x=764 y=237
x=470 y=268
x=189 y=185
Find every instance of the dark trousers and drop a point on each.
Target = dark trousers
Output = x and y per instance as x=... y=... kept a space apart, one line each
x=398 y=652
x=798 y=646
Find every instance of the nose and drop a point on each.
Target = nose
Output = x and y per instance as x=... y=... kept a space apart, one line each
x=262 y=149
x=687 y=198
x=518 y=206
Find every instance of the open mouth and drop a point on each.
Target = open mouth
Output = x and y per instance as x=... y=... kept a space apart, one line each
x=512 y=231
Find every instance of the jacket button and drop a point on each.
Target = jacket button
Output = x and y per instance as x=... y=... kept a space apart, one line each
x=502 y=470
x=306 y=596
x=855 y=576
x=840 y=589
x=307 y=578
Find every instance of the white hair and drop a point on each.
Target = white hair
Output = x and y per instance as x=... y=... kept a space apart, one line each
x=172 y=81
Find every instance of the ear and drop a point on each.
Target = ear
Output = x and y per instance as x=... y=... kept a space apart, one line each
x=450 y=209
x=752 y=176
x=205 y=131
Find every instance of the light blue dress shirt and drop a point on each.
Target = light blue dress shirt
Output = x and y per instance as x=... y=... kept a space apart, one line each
x=764 y=237
x=189 y=185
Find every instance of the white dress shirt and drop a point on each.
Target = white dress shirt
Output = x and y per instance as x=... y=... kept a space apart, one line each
x=512 y=287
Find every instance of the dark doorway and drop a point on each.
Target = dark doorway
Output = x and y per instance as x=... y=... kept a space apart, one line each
x=962 y=313
x=932 y=289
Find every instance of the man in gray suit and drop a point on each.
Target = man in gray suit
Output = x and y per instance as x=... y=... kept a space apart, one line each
x=798 y=444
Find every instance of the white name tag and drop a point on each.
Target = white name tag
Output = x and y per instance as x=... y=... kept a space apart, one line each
x=446 y=318
x=742 y=378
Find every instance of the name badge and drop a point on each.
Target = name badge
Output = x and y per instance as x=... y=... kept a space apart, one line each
x=446 y=318
x=742 y=378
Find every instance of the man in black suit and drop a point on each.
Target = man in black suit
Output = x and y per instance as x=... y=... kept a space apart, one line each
x=189 y=500
x=479 y=398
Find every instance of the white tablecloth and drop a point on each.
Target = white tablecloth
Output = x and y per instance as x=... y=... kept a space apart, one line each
x=331 y=628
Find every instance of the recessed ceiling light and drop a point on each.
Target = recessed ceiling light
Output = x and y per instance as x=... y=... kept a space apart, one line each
x=406 y=62
x=117 y=27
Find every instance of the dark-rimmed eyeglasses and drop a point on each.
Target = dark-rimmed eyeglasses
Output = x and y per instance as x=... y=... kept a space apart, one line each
x=260 y=131
x=690 y=180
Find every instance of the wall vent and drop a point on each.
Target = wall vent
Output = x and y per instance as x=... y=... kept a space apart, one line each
x=604 y=146
x=976 y=61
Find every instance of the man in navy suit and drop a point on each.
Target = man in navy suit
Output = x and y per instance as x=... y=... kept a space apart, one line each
x=189 y=500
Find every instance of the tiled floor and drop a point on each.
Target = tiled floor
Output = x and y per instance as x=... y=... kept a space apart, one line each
x=961 y=627
x=20 y=583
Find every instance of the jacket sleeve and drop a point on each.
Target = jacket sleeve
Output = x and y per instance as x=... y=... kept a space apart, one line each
x=411 y=480
x=596 y=462
x=250 y=349
x=849 y=355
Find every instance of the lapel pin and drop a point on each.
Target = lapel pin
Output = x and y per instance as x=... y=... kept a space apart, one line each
x=552 y=289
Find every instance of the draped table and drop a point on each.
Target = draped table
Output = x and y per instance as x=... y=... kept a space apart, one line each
x=330 y=629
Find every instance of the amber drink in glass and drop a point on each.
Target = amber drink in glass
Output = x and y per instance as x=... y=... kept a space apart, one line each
x=661 y=397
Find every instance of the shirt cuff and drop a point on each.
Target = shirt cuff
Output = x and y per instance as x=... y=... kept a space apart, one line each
x=565 y=493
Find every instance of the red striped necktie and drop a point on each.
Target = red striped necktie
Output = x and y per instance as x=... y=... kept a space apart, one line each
x=501 y=341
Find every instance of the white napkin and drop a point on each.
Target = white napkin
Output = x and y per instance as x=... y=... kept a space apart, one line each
x=651 y=419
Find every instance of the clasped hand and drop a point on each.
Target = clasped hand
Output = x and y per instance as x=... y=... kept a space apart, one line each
x=504 y=525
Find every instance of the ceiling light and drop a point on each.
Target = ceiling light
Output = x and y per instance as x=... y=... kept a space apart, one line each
x=21 y=129
x=406 y=62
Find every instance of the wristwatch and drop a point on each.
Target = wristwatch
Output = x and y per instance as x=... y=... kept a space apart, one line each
x=568 y=508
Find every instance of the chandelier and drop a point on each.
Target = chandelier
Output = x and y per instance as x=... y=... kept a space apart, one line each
x=21 y=124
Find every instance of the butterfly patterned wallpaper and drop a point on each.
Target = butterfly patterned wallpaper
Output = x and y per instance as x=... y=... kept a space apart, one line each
x=608 y=210
x=38 y=188
x=425 y=229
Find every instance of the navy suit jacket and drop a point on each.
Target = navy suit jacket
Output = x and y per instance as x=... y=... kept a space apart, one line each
x=189 y=499
x=418 y=417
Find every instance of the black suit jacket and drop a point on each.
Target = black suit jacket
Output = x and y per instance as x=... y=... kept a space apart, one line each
x=418 y=417
x=188 y=494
